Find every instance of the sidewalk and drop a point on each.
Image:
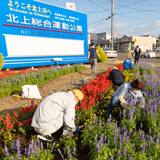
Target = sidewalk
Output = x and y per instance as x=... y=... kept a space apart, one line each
x=64 y=83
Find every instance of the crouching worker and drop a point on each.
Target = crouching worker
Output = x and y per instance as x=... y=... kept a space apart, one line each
x=55 y=111
x=125 y=93
x=127 y=64
x=116 y=76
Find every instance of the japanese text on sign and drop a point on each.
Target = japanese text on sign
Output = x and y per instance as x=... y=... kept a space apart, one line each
x=47 y=24
x=29 y=7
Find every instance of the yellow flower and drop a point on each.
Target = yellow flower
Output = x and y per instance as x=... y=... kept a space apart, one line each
x=67 y=137
x=57 y=145
x=76 y=138
x=3 y=151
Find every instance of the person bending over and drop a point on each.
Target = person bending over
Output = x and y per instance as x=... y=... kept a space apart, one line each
x=125 y=93
x=55 y=111
x=116 y=76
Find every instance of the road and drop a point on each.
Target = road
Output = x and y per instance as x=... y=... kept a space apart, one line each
x=154 y=62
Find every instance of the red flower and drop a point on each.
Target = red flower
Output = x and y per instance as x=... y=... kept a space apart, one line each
x=20 y=124
x=1 y=119
x=15 y=114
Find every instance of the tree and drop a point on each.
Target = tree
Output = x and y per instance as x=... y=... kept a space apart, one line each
x=1 y=61
x=102 y=55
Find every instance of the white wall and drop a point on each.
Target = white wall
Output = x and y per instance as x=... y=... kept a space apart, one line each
x=23 y=46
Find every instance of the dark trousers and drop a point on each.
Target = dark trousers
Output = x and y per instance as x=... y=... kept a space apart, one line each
x=136 y=60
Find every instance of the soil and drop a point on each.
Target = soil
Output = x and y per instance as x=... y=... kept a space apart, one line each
x=64 y=83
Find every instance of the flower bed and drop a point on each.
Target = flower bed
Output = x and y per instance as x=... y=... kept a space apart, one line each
x=134 y=136
x=12 y=81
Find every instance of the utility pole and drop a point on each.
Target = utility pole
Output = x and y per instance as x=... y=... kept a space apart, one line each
x=112 y=15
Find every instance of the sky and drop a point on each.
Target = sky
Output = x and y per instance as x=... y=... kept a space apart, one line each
x=131 y=17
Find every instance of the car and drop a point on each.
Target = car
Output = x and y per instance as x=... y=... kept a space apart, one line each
x=156 y=49
x=148 y=54
x=110 y=53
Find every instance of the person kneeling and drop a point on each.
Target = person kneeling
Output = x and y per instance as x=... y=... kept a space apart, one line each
x=116 y=76
x=125 y=93
x=55 y=111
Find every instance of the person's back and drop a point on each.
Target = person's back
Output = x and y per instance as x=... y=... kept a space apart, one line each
x=117 y=77
x=93 y=53
x=127 y=64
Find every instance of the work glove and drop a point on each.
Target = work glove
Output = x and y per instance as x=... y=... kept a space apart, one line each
x=77 y=129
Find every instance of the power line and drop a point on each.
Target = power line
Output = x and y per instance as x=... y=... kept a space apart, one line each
x=99 y=6
x=135 y=17
x=97 y=21
x=137 y=8
x=138 y=2
x=142 y=3
x=96 y=11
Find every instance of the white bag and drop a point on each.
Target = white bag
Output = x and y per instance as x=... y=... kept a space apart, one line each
x=30 y=91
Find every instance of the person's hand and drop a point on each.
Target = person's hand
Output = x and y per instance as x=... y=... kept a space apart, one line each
x=139 y=56
x=122 y=100
x=77 y=129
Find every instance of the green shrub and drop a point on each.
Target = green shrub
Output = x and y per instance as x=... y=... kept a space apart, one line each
x=102 y=55
x=1 y=61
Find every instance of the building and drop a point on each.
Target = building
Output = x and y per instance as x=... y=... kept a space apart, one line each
x=93 y=38
x=144 y=42
x=104 y=39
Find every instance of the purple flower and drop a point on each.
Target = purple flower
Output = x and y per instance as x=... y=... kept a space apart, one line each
x=112 y=158
x=150 y=131
x=124 y=127
x=60 y=153
x=98 y=147
x=6 y=150
x=53 y=146
x=119 y=153
x=25 y=151
x=69 y=152
x=11 y=158
x=131 y=157
x=74 y=151
x=141 y=125
x=143 y=147
x=38 y=142
x=120 y=145
x=101 y=141
x=70 y=135
x=42 y=146
x=13 y=146
x=125 y=152
x=114 y=140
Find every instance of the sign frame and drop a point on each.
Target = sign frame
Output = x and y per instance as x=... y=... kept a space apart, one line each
x=43 y=23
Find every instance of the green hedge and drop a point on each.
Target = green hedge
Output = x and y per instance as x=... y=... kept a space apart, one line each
x=11 y=85
x=102 y=55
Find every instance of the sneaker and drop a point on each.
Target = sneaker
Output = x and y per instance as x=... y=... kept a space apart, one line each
x=47 y=138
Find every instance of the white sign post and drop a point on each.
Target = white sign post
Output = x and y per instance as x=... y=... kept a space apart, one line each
x=70 y=6
x=89 y=39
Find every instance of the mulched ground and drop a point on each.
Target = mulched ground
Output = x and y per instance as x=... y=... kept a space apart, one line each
x=64 y=83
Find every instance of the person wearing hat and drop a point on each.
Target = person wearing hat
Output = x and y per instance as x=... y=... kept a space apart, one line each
x=55 y=111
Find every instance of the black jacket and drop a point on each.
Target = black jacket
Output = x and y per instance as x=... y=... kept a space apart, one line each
x=117 y=77
x=137 y=53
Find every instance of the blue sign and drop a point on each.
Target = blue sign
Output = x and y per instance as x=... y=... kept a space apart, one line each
x=115 y=40
x=33 y=33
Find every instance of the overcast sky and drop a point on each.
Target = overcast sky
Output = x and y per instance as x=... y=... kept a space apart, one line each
x=132 y=17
